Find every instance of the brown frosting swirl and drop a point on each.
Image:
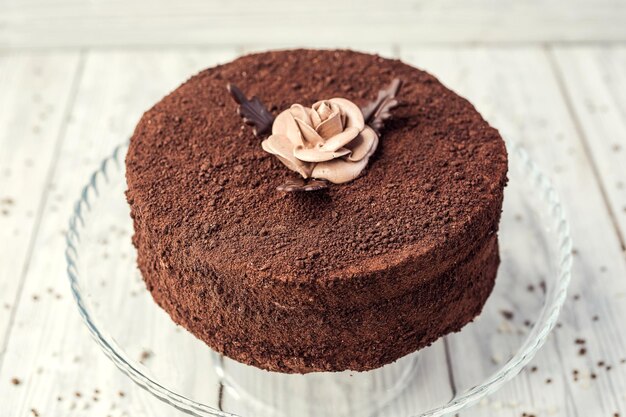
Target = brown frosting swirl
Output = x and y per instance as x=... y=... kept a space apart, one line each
x=327 y=141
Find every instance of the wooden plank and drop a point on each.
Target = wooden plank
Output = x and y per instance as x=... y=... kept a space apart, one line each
x=49 y=350
x=56 y=23
x=518 y=92
x=595 y=80
x=36 y=91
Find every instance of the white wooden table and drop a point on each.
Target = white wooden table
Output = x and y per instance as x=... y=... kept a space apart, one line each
x=76 y=76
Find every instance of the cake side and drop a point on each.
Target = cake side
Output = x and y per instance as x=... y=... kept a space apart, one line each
x=244 y=325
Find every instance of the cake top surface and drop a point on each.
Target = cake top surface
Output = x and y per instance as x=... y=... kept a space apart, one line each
x=203 y=179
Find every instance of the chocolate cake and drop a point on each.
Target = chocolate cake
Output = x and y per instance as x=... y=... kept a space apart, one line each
x=353 y=276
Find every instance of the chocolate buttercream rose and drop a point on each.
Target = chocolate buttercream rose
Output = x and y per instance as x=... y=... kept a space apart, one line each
x=329 y=140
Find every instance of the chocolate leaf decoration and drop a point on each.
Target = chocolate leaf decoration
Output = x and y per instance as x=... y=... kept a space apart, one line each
x=376 y=112
x=299 y=184
x=253 y=112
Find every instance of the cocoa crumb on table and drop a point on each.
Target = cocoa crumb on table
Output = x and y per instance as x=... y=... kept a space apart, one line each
x=15 y=381
x=145 y=355
x=507 y=314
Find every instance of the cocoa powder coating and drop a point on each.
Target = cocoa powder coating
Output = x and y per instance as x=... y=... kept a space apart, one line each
x=350 y=277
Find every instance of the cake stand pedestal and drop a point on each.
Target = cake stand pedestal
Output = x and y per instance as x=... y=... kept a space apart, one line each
x=319 y=393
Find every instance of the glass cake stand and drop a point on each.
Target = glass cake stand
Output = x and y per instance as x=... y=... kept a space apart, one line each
x=453 y=373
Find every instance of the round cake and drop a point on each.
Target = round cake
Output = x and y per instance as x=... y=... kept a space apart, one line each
x=350 y=277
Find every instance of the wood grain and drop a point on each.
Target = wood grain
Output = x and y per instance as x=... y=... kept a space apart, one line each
x=55 y=23
x=37 y=90
x=595 y=83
